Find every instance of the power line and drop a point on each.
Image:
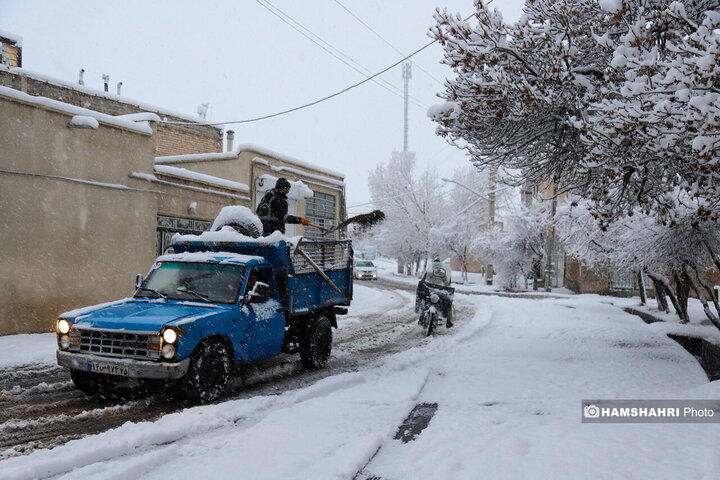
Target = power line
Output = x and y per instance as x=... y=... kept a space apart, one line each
x=323 y=44
x=310 y=104
x=384 y=40
x=301 y=107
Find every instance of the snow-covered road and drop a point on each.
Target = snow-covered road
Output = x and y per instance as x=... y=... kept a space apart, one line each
x=508 y=382
x=40 y=408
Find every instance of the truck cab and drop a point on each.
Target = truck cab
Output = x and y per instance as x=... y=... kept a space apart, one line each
x=208 y=307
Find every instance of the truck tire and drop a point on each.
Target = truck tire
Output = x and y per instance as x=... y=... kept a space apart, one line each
x=316 y=345
x=247 y=229
x=208 y=373
x=92 y=383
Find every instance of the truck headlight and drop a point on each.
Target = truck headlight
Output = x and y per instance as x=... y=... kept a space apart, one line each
x=170 y=336
x=64 y=342
x=168 y=351
x=63 y=326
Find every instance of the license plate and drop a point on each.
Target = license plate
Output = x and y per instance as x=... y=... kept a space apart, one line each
x=109 y=368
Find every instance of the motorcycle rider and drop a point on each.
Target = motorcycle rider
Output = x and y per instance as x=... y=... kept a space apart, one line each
x=272 y=209
x=437 y=275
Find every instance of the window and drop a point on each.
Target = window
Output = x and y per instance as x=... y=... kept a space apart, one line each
x=256 y=275
x=320 y=209
x=210 y=282
x=168 y=226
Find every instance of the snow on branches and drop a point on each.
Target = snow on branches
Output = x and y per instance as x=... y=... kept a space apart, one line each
x=615 y=101
x=673 y=256
x=413 y=205
x=516 y=248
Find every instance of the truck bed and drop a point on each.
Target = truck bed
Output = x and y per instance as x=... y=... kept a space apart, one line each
x=302 y=288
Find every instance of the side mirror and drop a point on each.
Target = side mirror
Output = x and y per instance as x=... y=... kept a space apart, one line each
x=138 y=280
x=259 y=294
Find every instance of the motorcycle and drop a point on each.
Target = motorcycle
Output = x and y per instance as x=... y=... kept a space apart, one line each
x=434 y=304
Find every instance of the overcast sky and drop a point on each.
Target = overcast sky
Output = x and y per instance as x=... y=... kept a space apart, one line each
x=246 y=62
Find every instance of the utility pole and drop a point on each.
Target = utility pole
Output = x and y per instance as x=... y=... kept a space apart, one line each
x=407 y=75
x=490 y=272
x=550 y=264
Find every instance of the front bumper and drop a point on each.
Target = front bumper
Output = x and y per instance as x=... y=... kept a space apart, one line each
x=365 y=276
x=135 y=368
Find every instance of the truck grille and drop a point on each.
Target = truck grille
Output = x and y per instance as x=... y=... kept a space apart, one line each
x=125 y=345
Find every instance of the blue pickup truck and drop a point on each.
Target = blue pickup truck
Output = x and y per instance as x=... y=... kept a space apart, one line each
x=208 y=307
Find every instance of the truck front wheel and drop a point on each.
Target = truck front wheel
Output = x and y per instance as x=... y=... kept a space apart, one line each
x=208 y=373
x=316 y=346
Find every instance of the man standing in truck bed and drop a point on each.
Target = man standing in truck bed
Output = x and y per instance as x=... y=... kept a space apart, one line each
x=272 y=209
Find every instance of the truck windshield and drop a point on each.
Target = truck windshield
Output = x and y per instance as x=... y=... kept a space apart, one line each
x=193 y=281
x=364 y=264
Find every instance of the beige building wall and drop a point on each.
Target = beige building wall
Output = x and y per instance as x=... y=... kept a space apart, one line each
x=80 y=208
x=73 y=227
x=246 y=166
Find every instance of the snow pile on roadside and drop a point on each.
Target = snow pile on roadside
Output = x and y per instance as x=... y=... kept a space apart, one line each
x=26 y=349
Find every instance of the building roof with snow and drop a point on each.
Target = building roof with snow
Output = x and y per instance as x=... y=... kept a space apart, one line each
x=170 y=139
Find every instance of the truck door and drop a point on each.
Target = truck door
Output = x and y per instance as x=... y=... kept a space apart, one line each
x=264 y=317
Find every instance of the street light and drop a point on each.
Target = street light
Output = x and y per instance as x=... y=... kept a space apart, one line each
x=481 y=196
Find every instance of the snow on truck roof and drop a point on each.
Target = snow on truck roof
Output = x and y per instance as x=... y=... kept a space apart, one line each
x=229 y=234
x=211 y=257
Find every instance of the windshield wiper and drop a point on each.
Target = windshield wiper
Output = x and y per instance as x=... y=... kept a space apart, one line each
x=199 y=295
x=165 y=297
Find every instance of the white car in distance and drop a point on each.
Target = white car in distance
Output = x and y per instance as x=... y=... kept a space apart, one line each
x=365 y=270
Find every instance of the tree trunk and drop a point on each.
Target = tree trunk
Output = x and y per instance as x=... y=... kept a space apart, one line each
x=683 y=294
x=641 y=287
x=665 y=287
x=709 y=289
x=715 y=257
x=713 y=318
x=464 y=265
x=660 y=296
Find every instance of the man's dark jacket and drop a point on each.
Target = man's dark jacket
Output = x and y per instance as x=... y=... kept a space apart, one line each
x=272 y=211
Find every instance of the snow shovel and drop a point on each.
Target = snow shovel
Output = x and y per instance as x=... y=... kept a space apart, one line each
x=365 y=220
x=316 y=267
x=324 y=230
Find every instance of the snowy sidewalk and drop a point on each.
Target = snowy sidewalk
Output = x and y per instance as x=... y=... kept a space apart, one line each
x=508 y=383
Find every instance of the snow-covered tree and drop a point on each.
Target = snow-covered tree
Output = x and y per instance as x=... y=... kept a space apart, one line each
x=616 y=101
x=518 y=87
x=466 y=215
x=413 y=204
x=655 y=130
x=515 y=247
x=673 y=255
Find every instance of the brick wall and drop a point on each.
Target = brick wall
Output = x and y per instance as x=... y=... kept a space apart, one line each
x=11 y=55
x=170 y=140
x=580 y=279
x=173 y=140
